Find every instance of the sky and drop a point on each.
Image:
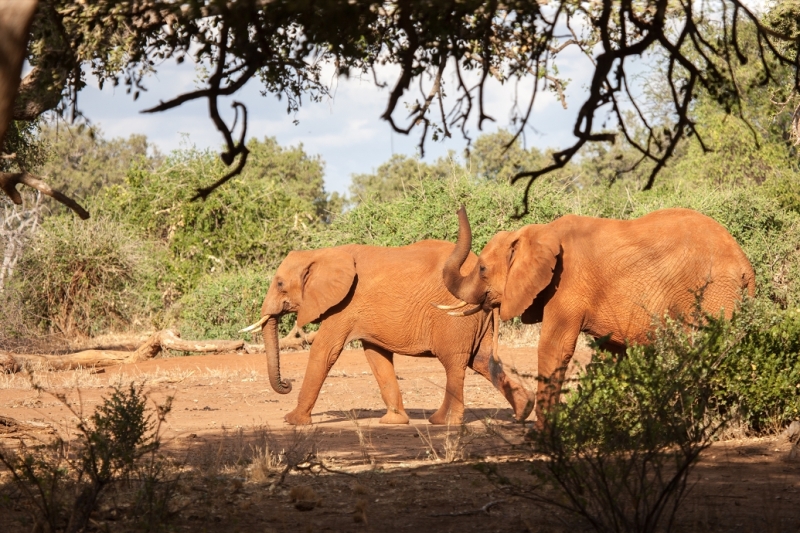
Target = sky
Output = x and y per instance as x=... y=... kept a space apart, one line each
x=345 y=130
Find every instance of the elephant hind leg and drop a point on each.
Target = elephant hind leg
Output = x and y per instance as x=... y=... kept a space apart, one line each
x=521 y=400
x=452 y=410
x=381 y=362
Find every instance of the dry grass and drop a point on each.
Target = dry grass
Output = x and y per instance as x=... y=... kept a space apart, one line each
x=453 y=447
x=517 y=334
x=40 y=375
x=364 y=438
x=257 y=455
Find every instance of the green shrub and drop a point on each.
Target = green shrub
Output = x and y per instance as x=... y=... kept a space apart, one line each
x=255 y=218
x=620 y=449
x=761 y=377
x=219 y=306
x=428 y=210
x=62 y=483
x=85 y=277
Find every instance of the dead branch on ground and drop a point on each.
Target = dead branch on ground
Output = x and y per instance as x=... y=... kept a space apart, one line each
x=162 y=340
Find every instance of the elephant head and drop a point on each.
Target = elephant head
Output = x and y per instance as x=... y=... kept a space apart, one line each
x=513 y=268
x=308 y=283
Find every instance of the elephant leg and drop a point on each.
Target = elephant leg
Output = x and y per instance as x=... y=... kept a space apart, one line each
x=324 y=353
x=452 y=410
x=517 y=395
x=556 y=347
x=381 y=362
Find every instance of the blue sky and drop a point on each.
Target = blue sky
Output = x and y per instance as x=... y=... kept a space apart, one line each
x=345 y=130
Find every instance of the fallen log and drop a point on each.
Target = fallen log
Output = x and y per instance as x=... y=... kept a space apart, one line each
x=10 y=427
x=161 y=340
x=166 y=339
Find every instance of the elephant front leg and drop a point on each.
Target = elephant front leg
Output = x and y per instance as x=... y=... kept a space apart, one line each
x=517 y=395
x=556 y=347
x=324 y=353
x=452 y=410
x=381 y=362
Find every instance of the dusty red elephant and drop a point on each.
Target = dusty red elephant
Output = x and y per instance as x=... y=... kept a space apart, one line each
x=600 y=276
x=381 y=296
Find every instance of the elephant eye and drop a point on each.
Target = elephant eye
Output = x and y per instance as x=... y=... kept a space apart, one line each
x=482 y=269
x=280 y=284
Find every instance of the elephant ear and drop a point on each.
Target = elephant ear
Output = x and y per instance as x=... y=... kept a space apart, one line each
x=532 y=258
x=326 y=281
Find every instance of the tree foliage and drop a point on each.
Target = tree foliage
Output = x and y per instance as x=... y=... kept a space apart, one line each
x=285 y=44
x=263 y=214
x=81 y=160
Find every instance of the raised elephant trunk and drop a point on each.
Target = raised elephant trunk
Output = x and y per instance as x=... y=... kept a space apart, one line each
x=468 y=288
x=270 y=333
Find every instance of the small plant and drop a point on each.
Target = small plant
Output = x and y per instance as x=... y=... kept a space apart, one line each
x=453 y=447
x=65 y=481
x=364 y=439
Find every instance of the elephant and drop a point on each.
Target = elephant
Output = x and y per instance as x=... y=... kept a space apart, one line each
x=381 y=296
x=612 y=279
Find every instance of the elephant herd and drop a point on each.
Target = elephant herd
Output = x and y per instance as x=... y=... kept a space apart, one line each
x=612 y=279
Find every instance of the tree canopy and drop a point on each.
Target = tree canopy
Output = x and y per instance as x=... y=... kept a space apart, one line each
x=285 y=43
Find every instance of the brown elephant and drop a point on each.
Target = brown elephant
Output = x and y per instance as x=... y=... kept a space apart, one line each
x=381 y=296
x=601 y=276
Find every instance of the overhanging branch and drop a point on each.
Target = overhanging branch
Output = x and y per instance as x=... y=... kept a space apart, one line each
x=10 y=180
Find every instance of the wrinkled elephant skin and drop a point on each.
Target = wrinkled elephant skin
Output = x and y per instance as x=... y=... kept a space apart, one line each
x=382 y=296
x=608 y=278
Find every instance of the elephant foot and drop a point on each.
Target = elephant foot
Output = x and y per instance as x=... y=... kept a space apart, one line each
x=297 y=419
x=444 y=418
x=394 y=417
x=525 y=402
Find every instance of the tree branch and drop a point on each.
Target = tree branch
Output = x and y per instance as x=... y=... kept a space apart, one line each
x=15 y=21
x=37 y=94
x=10 y=180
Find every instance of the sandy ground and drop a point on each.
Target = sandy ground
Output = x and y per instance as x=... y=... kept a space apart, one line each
x=378 y=478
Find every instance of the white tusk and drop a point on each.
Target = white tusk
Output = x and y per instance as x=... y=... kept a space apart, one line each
x=459 y=305
x=254 y=326
x=468 y=312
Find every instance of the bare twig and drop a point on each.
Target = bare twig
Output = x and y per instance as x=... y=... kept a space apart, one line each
x=482 y=510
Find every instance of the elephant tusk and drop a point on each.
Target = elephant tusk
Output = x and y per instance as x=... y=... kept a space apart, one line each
x=459 y=305
x=467 y=312
x=256 y=325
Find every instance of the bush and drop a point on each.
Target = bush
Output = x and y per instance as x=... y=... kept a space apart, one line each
x=760 y=380
x=621 y=447
x=63 y=483
x=84 y=277
x=256 y=218
x=219 y=306
x=428 y=210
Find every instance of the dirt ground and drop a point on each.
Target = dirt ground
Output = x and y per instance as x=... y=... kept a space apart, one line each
x=366 y=476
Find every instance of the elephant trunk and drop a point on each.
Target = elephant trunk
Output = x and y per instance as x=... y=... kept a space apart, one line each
x=270 y=333
x=468 y=288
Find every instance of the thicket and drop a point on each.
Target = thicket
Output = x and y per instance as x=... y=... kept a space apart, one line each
x=620 y=448
x=83 y=278
x=219 y=306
